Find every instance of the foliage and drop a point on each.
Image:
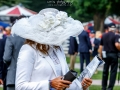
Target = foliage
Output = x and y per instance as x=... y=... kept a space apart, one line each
x=13 y=2
x=97 y=10
x=79 y=9
x=97 y=76
x=68 y=59
x=86 y=9
x=115 y=5
x=37 y=5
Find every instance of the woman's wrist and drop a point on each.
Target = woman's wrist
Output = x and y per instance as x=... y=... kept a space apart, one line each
x=84 y=88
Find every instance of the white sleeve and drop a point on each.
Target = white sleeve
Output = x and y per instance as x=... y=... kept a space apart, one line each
x=25 y=66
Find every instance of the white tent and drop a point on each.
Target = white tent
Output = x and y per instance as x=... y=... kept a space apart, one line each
x=17 y=11
x=107 y=21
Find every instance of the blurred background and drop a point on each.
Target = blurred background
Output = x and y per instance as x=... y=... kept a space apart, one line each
x=93 y=13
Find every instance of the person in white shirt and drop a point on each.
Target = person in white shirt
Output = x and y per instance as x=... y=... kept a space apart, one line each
x=41 y=62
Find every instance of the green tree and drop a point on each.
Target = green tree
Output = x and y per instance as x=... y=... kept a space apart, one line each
x=97 y=10
x=37 y=5
x=13 y=2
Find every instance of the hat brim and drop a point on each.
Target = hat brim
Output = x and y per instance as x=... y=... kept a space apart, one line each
x=56 y=36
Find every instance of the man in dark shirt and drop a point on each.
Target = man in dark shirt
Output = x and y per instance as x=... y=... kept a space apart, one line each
x=110 y=42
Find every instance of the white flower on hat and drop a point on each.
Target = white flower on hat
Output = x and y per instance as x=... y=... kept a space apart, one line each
x=43 y=25
x=62 y=16
x=47 y=22
x=52 y=20
x=49 y=17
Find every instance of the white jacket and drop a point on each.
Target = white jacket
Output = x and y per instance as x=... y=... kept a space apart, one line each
x=34 y=70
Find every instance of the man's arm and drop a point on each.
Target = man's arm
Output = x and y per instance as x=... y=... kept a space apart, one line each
x=100 y=51
x=117 y=42
x=1 y=72
x=72 y=43
x=1 y=81
x=75 y=45
x=117 y=45
x=8 y=51
x=88 y=42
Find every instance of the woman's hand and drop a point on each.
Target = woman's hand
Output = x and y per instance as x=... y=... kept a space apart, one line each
x=59 y=84
x=86 y=82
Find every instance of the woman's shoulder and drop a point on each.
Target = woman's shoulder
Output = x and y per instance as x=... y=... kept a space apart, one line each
x=27 y=47
x=26 y=54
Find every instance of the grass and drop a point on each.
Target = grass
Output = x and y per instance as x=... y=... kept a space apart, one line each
x=1 y=88
x=68 y=59
x=98 y=87
x=96 y=76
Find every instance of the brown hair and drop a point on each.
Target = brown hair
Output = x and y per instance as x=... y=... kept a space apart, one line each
x=41 y=47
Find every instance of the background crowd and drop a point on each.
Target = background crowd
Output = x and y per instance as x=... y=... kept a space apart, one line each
x=102 y=40
x=87 y=45
x=105 y=45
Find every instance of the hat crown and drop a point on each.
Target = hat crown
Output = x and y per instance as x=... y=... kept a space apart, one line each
x=48 y=10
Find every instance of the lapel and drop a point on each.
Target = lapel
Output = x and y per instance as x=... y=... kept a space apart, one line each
x=60 y=56
x=61 y=59
x=51 y=64
x=48 y=59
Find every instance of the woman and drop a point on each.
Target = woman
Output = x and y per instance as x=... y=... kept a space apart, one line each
x=41 y=61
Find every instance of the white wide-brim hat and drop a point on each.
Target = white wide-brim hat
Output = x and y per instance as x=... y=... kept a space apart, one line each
x=49 y=26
